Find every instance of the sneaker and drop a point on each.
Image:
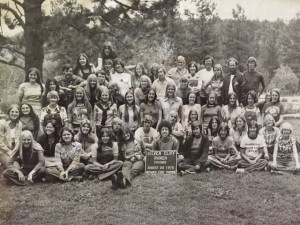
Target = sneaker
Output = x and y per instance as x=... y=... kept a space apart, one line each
x=121 y=180
x=240 y=170
x=114 y=182
x=208 y=169
x=182 y=173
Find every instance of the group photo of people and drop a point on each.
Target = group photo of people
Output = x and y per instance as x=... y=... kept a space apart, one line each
x=98 y=121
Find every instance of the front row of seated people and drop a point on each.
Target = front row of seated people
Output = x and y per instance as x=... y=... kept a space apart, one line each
x=118 y=154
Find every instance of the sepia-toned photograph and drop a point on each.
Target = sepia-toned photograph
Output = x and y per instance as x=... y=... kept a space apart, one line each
x=149 y=112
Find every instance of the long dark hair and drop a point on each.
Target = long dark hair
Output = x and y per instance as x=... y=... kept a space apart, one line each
x=38 y=79
x=79 y=67
x=44 y=99
x=62 y=131
x=32 y=115
x=56 y=133
x=100 y=134
x=155 y=96
x=135 y=112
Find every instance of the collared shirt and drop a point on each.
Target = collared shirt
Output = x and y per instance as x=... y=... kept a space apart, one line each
x=68 y=154
x=176 y=74
x=168 y=106
x=111 y=113
x=160 y=86
x=270 y=135
x=58 y=110
x=204 y=76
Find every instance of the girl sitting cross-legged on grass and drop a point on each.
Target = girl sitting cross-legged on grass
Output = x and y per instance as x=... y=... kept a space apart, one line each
x=252 y=149
x=224 y=154
x=132 y=156
x=105 y=161
x=195 y=151
x=285 y=157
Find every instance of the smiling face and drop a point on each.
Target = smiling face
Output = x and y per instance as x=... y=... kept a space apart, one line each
x=192 y=98
x=53 y=100
x=232 y=100
x=217 y=71
x=275 y=97
x=196 y=131
x=14 y=113
x=250 y=100
x=104 y=97
x=223 y=133
x=252 y=132
x=171 y=91
x=211 y=99
x=208 y=63
x=126 y=136
x=172 y=118
x=101 y=79
x=85 y=129
x=26 y=141
x=193 y=69
x=93 y=82
x=82 y=60
x=49 y=129
x=79 y=95
x=106 y=51
x=269 y=122
x=151 y=95
x=107 y=66
x=118 y=67
x=68 y=73
x=161 y=74
x=239 y=123
x=286 y=132
x=67 y=137
x=214 y=124
x=105 y=138
x=32 y=77
x=25 y=109
x=164 y=132
x=232 y=66
x=139 y=71
x=52 y=86
x=129 y=98
x=144 y=83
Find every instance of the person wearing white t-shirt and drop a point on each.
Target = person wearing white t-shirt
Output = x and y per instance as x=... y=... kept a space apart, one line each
x=253 y=147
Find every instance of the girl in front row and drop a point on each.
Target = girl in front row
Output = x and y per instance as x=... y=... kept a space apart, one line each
x=224 y=155
x=285 y=157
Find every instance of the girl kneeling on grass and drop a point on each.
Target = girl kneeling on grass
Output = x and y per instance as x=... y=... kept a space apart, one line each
x=195 y=151
x=284 y=151
x=252 y=149
x=67 y=154
x=132 y=156
x=224 y=154
x=105 y=157
x=32 y=158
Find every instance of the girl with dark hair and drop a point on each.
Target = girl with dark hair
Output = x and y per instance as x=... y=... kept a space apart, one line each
x=122 y=77
x=108 y=51
x=54 y=111
x=67 y=154
x=52 y=85
x=205 y=75
x=232 y=110
x=251 y=112
x=129 y=112
x=31 y=157
x=105 y=161
x=194 y=81
x=48 y=141
x=88 y=140
x=30 y=121
x=225 y=155
x=32 y=89
x=274 y=107
x=79 y=109
x=153 y=69
x=195 y=151
x=141 y=92
x=10 y=131
x=215 y=83
x=170 y=101
x=139 y=71
x=152 y=107
x=209 y=110
x=192 y=117
x=83 y=67
x=285 y=157
x=213 y=127
x=252 y=149
x=132 y=156
x=166 y=141
x=104 y=111
x=114 y=92
x=107 y=68
x=186 y=109
x=238 y=130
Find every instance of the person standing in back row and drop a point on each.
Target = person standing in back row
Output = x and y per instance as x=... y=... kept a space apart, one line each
x=233 y=82
x=179 y=71
x=252 y=80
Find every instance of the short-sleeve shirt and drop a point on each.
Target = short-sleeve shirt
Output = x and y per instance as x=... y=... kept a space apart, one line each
x=285 y=149
x=160 y=86
x=152 y=110
x=222 y=146
x=105 y=154
x=252 y=146
x=168 y=106
x=123 y=80
x=148 y=138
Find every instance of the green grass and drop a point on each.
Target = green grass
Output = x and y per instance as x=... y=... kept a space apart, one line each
x=218 y=197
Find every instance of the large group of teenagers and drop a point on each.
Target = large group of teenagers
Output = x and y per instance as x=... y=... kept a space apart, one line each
x=99 y=122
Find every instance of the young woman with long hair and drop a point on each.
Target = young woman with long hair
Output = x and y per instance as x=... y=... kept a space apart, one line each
x=30 y=121
x=186 y=109
x=83 y=67
x=170 y=101
x=232 y=110
x=142 y=90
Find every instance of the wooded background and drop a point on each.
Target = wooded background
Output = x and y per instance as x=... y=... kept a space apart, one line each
x=142 y=31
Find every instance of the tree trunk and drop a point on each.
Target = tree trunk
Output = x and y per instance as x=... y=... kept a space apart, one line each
x=33 y=37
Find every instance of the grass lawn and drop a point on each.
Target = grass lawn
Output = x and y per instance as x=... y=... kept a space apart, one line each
x=218 y=197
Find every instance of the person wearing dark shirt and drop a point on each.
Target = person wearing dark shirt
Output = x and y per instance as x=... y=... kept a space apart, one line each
x=253 y=79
